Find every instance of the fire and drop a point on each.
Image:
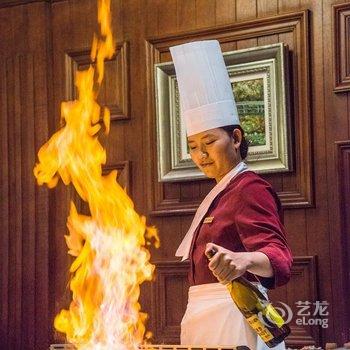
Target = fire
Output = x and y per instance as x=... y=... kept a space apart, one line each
x=111 y=258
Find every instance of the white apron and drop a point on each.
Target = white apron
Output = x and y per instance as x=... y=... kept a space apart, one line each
x=213 y=319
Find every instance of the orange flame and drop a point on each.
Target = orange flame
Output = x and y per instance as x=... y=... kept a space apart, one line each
x=110 y=245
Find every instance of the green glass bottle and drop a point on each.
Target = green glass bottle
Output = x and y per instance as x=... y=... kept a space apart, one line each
x=257 y=309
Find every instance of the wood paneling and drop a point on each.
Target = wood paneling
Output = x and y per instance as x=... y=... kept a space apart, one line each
x=169 y=300
x=245 y=9
x=123 y=175
x=341 y=49
x=336 y=120
x=205 y=13
x=8 y=3
x=166 y=18
x=225 y=12
x=267 y=7
x=24 y=249
x=186 y=15
x=304 y=273
x=340 y=240
x=116 y=78
x=37 y=36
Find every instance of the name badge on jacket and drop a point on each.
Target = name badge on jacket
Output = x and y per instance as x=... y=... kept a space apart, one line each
x=208 y=220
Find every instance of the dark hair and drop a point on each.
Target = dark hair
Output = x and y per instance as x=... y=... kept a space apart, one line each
x=243 y=148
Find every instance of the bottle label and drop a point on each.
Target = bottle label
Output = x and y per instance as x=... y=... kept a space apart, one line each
x=273 y=315
x=259 y=328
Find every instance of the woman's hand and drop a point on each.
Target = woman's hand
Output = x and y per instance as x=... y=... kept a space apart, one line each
x=227 y=265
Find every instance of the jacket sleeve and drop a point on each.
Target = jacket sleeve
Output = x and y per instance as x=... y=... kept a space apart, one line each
x=260 y=229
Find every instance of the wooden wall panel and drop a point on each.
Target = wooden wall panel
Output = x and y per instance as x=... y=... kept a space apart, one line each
x=205 y=13
x=267 y=8
x=340 y=238
x=130 y=29
x=186 y=15
x=166 y=18
x=123 y=175
x=169 y=299
x=341 y=50
x=225 y=12
x=4 y=209
x=15 y=204
x=245 y=10
x=116 y=78
x=304 y=273
x=336 y=114
x=24 y=250
x=316 y=230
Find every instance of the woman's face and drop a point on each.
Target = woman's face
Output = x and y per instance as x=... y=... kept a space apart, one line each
x=215 y=152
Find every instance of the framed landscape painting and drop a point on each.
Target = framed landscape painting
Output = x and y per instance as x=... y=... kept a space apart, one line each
x=260 y=85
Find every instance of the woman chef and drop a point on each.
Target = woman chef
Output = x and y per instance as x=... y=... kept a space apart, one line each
x=240 y=216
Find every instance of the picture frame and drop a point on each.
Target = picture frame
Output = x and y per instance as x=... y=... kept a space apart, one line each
x=259 y=78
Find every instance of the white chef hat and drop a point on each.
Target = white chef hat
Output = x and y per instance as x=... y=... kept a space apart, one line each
x=206 y=98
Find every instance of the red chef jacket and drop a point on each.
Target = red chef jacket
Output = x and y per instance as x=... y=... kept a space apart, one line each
x=244 y=217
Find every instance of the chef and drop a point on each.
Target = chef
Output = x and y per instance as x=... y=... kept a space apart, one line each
x=241 y=215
